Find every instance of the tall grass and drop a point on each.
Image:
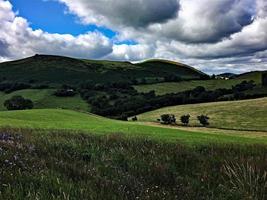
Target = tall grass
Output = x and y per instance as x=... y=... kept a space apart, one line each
x=62 y=165
x=247 y=179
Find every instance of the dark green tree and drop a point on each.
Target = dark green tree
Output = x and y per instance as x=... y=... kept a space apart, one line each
x=18 y=103
x=204 y=120
x=185 y=119
x=168 y=119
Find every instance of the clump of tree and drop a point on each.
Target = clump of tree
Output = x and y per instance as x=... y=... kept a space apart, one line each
x=203 y=120
x=11 y=87
x=18 y=103
x=168 y=119
x=185 y=119
x=65 y=91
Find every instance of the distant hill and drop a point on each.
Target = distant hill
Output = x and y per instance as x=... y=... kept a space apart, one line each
x=59 y=70
x=227 y=75
x=254 y=75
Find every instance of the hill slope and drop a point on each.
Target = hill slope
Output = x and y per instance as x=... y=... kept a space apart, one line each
x=58 y=70
x=44 y=98
x=241 y=115
x=174 y=87
x=48 y=119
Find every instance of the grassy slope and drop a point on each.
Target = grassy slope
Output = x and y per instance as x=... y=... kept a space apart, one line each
x=58 y=70
x=71 y=120
x=164 y=88
x=45 y=99
x=243 y=115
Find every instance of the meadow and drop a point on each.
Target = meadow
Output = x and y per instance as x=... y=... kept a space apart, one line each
x=233 y=115
x=44 y=98
x=56 y=119
x=67 y=165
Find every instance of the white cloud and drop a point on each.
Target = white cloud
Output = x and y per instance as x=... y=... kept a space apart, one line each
x=213 y=35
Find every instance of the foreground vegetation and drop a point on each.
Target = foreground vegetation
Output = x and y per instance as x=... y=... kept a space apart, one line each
x=63 y=165
x=240 y=115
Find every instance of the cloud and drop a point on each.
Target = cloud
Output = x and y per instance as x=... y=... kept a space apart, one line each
x=132 y=13
x=18 y=40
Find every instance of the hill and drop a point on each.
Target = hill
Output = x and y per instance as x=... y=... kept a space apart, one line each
x=174 y=87
x=51 y=119
x=239 y=115
x=58 y=70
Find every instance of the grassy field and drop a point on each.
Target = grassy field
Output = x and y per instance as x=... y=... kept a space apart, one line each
x=45 y=99
x=240 y=115
x=66 y=165
x=48 y=119
x=164 y=88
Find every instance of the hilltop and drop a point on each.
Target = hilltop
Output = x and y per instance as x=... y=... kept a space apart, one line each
x=64 y=70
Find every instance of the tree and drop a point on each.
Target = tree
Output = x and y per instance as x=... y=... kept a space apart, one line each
x=204 y=120
x=134 y=119
x=185 y=119
x=18 y=103
x=168 y=119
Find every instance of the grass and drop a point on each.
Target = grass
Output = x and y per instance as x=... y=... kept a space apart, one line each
x=49 y=119
x=44 y=98
x=66 y=165
x=240 y=115
x=165 y=88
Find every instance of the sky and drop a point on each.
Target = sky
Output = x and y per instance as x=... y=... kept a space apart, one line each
x=215 y=36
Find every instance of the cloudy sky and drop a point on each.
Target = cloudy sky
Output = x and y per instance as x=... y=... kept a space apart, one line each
x=212 y=35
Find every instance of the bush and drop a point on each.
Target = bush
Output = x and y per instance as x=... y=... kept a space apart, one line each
x=204 y=120
x=168 y=119
x=134 y=119
x=18 y=103
x=185 y=119
x=65 y=93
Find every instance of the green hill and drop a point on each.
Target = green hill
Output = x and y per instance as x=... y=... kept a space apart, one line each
x=49 y=119
x=240 y=115
x=57 y=70
x=174 y=87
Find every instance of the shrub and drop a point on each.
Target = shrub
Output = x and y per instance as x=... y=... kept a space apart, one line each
x=185 y=119
x=65 y=93
x=134 y=119
x=168 y=119
x=18 y=103
x=204 y=120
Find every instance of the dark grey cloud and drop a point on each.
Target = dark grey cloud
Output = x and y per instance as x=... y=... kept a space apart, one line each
x=132 y=13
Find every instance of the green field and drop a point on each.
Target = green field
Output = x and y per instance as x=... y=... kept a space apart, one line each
x=50 y=119
x=44 y=98
x=164 y=88
x=239 y=115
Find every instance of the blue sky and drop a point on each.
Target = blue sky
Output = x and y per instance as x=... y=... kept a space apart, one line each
x=214 y=36
x=53 y=17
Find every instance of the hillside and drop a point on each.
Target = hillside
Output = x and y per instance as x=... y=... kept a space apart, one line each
x=174 y=87
x=51 y=119
x=239 y=115
x=58 y=70
x=44 y=98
